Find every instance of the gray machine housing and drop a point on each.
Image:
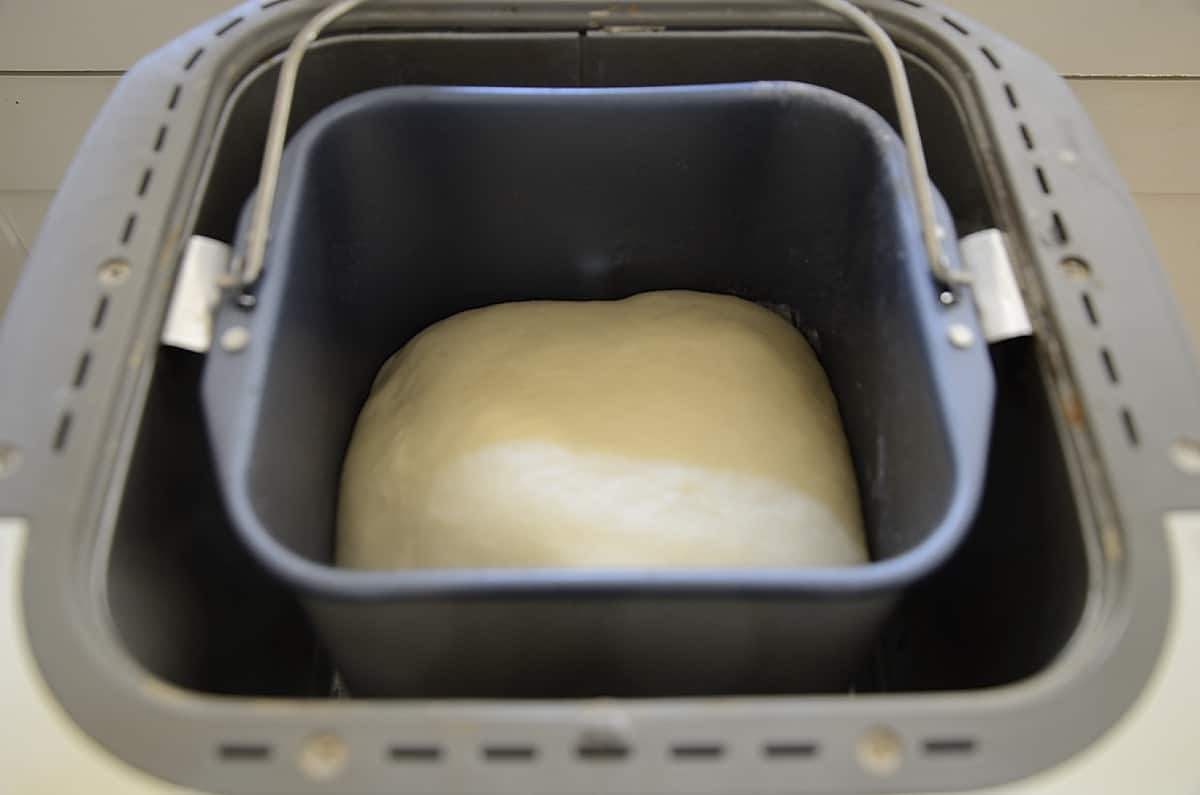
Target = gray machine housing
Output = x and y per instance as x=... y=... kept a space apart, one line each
x=132 y=196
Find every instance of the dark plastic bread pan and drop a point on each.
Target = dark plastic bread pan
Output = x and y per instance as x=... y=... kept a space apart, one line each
x=402 y=206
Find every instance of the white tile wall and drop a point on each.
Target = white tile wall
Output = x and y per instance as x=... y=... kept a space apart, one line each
x=1151 y=128
x=24 y=210
x=90 y=35
x=1105 y=37
x=42 y=120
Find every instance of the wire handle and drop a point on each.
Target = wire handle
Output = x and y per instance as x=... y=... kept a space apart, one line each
x=247 y=271
x=268 y=178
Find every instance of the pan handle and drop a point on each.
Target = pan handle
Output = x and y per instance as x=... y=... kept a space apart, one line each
x=246 y=270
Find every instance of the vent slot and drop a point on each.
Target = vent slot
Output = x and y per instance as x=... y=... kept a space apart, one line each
x=127 y=232
x=63 y=432
x=230 y=25
x=950 y=746
x=698 y=751
x=81 y=370
x=415 y=753
x=509 y=753
x=602 y=752
x=1131 y=431
x=1027 y=137
x=244 y=752
x=1110 y=366
x=1060 y=229
x=1043 y=183
x=789 y=750
x=101 y=313
x=952 y=23
x=192 y=61
x=1089 y=309
x=1012 y=96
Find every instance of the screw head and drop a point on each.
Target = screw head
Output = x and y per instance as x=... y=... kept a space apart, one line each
x=235 y=339
x=880 y=751
x=1076 y=268
x=946 y=297
x=114 y=273
x=10 y=460
x=323 y=756
x=960 y=336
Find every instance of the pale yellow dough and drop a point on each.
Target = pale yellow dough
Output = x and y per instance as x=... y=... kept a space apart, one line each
x=668 y=429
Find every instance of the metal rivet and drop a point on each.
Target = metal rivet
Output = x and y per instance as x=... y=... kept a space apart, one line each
x=323 y=756
x=114 y=272
x=1068 y=157
x=247 y=301
x=10 y=460
x=1076 y=268
x=946 y=297
x=235 y=339
x=960 y=336
x=1185 y=454
x=880 y=751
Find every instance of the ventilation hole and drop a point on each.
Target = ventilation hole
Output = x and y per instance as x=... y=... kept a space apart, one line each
x=100 y=313
x=790 y=750
x=956 y=26
x=130 y=224
x=992 y=59
x=145 y=184
x=230 y=25
x=63 y=432
x=950 y=746
x=913 y=3
x=1027 y=137
x=698 y=752
x=81 y=370
x=1131 y=432
x=161 y=138
x=174 y=100
x=244 y=752
x=1090 y=309
x=1042 y=181
x=272 y=4
x=415 y=753
x=1012 y=95
x=192 y=61
x=1110 y=366
x=509 y=753
x=1060 y=229
x=602 y=752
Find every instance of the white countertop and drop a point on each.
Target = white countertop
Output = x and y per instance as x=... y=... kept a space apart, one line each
x=1153 y=749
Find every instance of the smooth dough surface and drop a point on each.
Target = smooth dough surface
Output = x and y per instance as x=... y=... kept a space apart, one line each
x=667 y=429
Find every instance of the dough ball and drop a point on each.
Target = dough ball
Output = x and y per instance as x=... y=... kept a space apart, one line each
x=667 y=429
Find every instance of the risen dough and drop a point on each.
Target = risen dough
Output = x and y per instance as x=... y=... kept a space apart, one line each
x=667 y=429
